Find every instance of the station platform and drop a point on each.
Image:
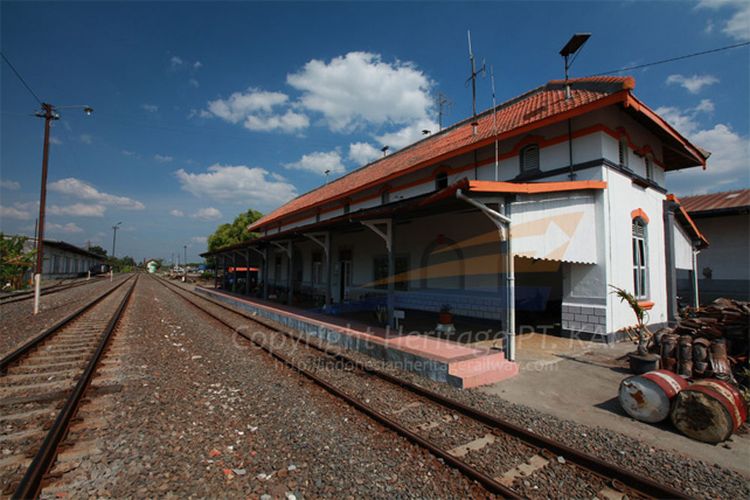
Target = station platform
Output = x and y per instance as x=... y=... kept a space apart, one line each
x=441 y=360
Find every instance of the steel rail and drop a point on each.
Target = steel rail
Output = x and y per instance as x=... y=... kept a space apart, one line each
x=45 y=291
x=31 y=483
x=617 y=475
x=486 y=481
x=25 y=348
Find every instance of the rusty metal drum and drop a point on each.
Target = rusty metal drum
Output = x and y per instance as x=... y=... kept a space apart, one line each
x=709 y=410
x=648 y=397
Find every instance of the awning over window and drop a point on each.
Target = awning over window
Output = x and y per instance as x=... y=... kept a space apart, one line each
x=555 y=226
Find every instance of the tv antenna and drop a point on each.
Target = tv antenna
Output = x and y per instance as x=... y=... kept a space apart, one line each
x=474 y=73
x=443 y=103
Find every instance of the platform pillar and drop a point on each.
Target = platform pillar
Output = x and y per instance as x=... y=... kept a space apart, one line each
x=247 y=272
x=266 y=263
x=290 y=278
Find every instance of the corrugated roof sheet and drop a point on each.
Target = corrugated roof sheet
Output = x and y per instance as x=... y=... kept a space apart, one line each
x=716 y=201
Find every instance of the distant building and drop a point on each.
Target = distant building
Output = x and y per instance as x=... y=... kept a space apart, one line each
x=724 y=267
x=64 y=260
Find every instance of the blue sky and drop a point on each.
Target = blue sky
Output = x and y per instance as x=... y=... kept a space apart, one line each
x=204 y=110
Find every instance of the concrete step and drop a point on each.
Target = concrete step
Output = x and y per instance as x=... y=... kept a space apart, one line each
x=482 y=370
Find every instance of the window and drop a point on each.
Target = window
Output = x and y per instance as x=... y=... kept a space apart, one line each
x=317 y=268
x=441 y=181
x=649 y=169
x=380 y=271
x=640 y=259
x=623 y=152
x=385 y=197
x=529 y=158
x=346 y=208
x=317 y=216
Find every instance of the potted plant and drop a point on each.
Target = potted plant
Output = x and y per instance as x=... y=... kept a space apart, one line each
x=641 y=361
x=445 y=317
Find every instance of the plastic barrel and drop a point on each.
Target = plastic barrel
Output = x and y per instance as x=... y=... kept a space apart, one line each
x=709 y=410
x=648 y=397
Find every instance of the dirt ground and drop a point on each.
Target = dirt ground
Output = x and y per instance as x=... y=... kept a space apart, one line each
x=579 y=380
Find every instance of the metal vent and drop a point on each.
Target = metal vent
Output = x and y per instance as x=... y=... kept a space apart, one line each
x=530 y=158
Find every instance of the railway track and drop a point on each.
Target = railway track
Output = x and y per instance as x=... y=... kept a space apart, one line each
x=42 y=384
x=18 y=297
x=505 y=459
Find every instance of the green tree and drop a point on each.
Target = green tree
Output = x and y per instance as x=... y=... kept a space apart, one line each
x=98 y=250
x=236 y=232
x=14 y=260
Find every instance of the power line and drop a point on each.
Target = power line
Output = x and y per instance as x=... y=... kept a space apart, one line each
x=672 y=59
x=21 y=78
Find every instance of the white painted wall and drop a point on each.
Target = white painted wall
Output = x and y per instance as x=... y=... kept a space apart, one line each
x=623 y=198
x=728 y=253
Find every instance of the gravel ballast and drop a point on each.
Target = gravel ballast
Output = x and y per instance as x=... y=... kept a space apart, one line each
x=694 y=477
x=18 y=324
x=200 y=413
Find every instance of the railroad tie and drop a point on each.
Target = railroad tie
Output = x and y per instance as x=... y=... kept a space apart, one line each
x=476 y=444
x=523 y=470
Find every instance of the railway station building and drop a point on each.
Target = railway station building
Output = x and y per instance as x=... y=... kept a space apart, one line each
x=568 y=179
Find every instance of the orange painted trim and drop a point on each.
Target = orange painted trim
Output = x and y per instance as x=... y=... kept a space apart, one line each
x=618 y=97
x=640 y=213
x=632 y=101
x=646 y=304
x=689 y=219
x=457 y=170
x=533 y=187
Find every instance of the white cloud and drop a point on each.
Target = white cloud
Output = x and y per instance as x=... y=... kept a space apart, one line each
x=86 y=138
x=177 y=213
x=175 y=62
x=256 y=110
x=15 y=212
x=705 y=106
x=85 y=191
x=163 y=158
x=10 y=185
x=199 y=239
x=237 y=183
x=54 y=140
x=208 y=213
x=197 y=65
x=126 y=152
x=288 y=122
x=727 y=165
x=738 y=25
x=363 y=153
x=240 y=105
x=692 y=84
x=360 y=88
x=151 y=108
x=407 y=135
x=318 y=162
x=194 y=83
x=68 y=228
x=78 y=210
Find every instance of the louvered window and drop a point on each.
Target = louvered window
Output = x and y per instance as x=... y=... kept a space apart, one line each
x=649 y=169
x=640 y=260
x=385 y=197
x=530 y=158
x=623 y=152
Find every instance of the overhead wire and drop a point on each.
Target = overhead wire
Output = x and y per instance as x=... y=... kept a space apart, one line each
x=5 y=58
x=677 y=58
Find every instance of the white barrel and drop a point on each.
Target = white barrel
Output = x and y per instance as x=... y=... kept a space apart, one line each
x=648 y=397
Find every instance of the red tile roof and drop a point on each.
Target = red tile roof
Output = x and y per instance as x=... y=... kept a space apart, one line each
x=716 y=201
x=534 y=109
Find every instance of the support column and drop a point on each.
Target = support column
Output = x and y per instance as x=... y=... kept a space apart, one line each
x=234 y=272
x=387 y=236
x=695 y=290
x=216 y=271
x=266 y=263
x=323 y=240
x=329 y=271
x=247 y=272
x=669 y=250
x=290 y=277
